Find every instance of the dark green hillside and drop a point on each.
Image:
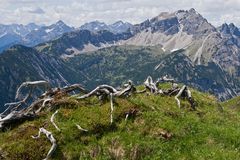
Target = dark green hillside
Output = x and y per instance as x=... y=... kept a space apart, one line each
x=117 y=64
x=112 y=65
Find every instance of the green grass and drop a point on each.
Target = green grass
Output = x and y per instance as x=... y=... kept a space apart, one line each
x=208 y=133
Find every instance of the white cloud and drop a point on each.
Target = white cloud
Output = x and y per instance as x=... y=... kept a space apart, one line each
x=77 y=12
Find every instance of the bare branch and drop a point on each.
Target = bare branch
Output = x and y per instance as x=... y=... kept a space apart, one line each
x=111 y=102
x=179 y=94
x=32 y=85
x=52 y=120
x=50 y=138
x=80 y=128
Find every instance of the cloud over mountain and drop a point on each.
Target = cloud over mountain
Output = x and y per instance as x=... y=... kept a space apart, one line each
x=75 y=12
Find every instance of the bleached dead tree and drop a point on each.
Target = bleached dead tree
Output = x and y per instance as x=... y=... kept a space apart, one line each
x=152 y=86
x=50 y=138
x=32 y=85
x=17 y=112
x=109 y=91
x=184 y=92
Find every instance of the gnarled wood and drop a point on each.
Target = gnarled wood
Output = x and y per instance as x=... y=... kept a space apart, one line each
x=32 y=85
x=52 y=120
x=50 y=138
x=152 y=86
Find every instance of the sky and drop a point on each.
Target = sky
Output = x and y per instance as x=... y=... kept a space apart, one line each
x=77 y=12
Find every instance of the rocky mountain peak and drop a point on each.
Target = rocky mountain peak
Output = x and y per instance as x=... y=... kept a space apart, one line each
x=229 y=29
x=194 y=23
x=60 y=23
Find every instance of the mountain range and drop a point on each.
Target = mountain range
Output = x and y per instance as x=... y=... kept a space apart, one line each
x=182 y=44
x=32 y=34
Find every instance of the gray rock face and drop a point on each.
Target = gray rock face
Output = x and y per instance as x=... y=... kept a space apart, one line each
x=187 y=29
x=193 y=23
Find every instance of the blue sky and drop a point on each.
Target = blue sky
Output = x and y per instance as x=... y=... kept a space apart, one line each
x=77 y=12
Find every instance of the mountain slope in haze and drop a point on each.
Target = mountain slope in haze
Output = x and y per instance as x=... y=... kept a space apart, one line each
x=157 y=129
x=31 y=34
x=12 y=34
x=117 y=27
x=75 y=43
x=46 y=33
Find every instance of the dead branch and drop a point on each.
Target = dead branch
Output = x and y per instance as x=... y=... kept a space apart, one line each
x=152 y=86
x=126 y=117
x=47 y=100
x=111 y=102
x=8 y=116
x=51 y=139
x=52 y=120
x=80 y=128
x=166 y=79
x=179 y=94
x=32 y=85
x=185 y=93
x=74 y=87
x=15 y=117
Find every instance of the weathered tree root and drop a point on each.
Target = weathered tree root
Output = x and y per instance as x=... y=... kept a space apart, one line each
x=51 y=139
x=15 y=117
x=80 y=128
x=152 y=86
x=52 y=120
x=32 y=85
x=175 y=90
x=106 y=90
x=17 y=112
x=185 y=93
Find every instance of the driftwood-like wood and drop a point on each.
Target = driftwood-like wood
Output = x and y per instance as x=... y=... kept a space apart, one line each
x=109 y=91
x=179 y=94
x=32 y=85
x=80 y=128
x=20 y=111
x=50 y=138
x=15 y=117
x=52 y=120
x=184 y=92
x=166 y=79
x=111 y=102
x=151 y=85
x=16 y=112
